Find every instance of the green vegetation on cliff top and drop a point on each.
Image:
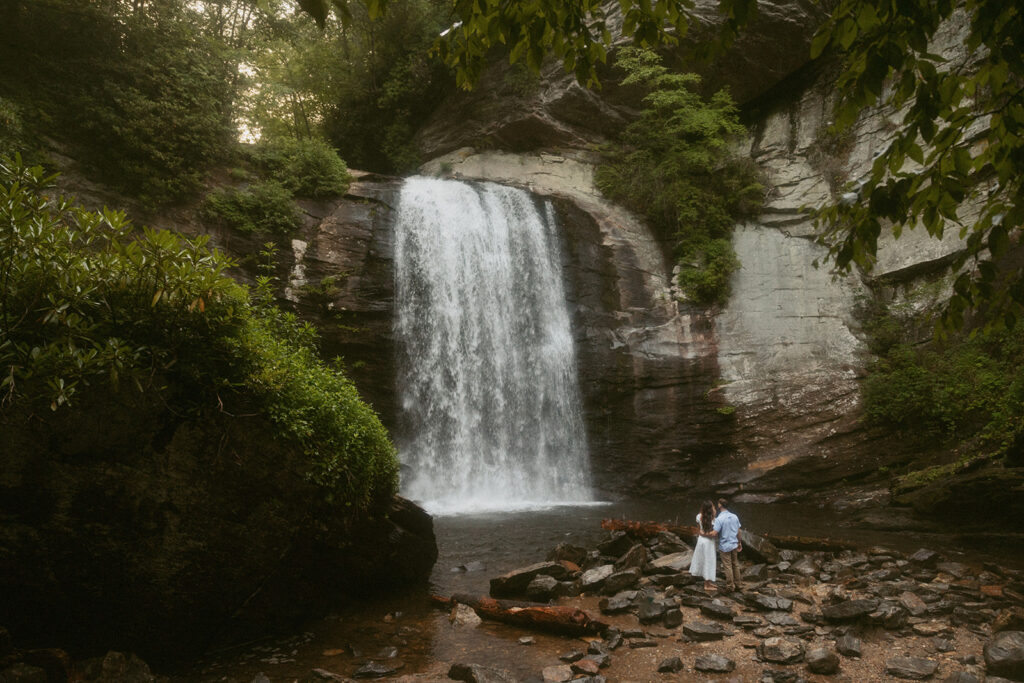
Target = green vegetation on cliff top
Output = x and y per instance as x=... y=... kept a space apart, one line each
x=676 y=167
x=89 y=300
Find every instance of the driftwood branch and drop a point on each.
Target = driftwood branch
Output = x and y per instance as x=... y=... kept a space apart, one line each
x=552 y=618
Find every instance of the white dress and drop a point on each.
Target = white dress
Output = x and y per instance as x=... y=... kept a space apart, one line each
x=703 y=562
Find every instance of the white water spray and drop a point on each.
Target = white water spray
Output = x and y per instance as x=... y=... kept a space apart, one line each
x=490 y=405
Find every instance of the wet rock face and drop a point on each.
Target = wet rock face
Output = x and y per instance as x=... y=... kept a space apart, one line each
x=512 y=111
x=125 y=525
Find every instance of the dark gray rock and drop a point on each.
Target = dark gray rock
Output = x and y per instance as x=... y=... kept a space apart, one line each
x=514 y=583
x=1004 y=655
x=822 y=661
x=889 y=615
x=650 y=611
x=848 y=646
x=716 y=609
x=474 y=673
x=617 y=604
x=759 y=548
x=593 y=579
x=912 y=668
x=672 y=665
x=781 y=650
x=570 y=657
x=716 y=664
x=621 y=580
x=849 y=610
x=924 y=557
x=768 y=603
x=542 y=588
x=602 y=659
x=616 y=545
x=377 y=669
x=673 y=617
x=635 y=557
x=703 y=630
x=667 y=543
x=671 y=564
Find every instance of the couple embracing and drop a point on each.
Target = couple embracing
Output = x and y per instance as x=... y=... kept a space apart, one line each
x=722 y=526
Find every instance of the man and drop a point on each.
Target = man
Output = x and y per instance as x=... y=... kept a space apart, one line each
x=727 y=525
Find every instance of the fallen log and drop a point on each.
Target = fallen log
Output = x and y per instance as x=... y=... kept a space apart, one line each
x=559 y=619
x=644 y=530
x=809 y=543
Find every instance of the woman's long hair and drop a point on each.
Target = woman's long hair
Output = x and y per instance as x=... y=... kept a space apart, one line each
x=707 y=516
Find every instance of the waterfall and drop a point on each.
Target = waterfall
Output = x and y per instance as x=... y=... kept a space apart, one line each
x=490 y=408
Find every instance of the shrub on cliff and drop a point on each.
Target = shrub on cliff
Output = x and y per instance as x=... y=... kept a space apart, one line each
x=87 y=299
x=676 y=167
x=306 y=168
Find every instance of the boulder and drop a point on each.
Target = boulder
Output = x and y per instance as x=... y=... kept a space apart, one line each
x=178 y=533
x=672 y=618
x=768 y=603
x=1004 y=655
x=617 y=544
x=542 y=588
x=849 y=610
x=621 y=580
x=758 y=547
x=716 y=609
x=670 y=564
x=560 y=673
x=912 y=668
x=593 y=579
x=464 y=616
x=514 y=583
x=848 y=646
x=703 y=631
x=822 y=661
x=715 y=664
x=913 y=604
x=635 y=557
x=780 y=650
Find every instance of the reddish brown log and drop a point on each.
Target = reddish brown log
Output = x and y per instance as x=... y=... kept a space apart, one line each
x=552 y=618
x=809 y=543
x=643 y=530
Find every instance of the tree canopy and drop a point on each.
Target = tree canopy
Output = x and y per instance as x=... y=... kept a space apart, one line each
x=953 y=164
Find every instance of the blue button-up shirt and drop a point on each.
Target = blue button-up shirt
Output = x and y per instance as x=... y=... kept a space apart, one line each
x=728 y=526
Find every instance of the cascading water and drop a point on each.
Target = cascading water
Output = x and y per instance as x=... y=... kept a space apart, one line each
x=487 y=369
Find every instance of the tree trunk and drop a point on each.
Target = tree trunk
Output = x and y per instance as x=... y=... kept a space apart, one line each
x=551 y=618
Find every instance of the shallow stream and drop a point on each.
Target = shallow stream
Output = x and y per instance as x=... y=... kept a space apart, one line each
x=425 y=642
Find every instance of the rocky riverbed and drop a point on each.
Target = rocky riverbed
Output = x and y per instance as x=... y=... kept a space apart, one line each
x=856 y=614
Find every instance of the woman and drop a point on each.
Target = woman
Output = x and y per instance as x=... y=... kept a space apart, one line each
x=703 y=562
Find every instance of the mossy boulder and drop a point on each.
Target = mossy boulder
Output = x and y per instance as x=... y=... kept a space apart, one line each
x=980 y=498
x=126 y=525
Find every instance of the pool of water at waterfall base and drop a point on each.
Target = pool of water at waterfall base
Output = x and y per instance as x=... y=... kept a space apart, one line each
x=427 y=643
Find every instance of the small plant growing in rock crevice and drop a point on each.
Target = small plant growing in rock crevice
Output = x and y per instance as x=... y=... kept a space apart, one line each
x=676 y=166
